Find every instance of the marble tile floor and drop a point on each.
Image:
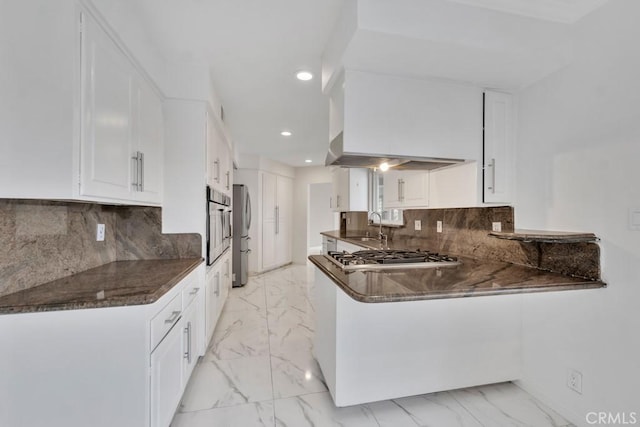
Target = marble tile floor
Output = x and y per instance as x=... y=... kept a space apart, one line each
x=259 y=371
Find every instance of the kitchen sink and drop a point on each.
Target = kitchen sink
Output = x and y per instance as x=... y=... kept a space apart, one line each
x=365 y=239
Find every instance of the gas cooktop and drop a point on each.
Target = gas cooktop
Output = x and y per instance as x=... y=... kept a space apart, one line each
x=390 y=259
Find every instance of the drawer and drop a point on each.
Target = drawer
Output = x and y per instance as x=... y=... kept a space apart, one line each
x=162 y=322
x=192 y=287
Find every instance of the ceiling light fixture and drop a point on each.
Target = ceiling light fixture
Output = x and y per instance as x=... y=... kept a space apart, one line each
x=285 y=133
x=384 y=166
x=307 y=161
x=304 y=75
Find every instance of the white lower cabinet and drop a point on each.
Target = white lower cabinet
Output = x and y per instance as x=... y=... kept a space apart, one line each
x=116 y=366
x=166 y=377
x=218 y=283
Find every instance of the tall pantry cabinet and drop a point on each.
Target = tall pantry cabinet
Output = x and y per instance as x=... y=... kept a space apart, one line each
x=277 y=206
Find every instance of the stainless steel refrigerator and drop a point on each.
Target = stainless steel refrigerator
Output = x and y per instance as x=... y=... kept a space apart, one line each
x=241 y=223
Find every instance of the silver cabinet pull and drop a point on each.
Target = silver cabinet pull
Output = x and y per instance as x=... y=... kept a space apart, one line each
x=187 y=354
x=492 y=165
x=338 y=201
x=217 y=290
x=194 y=291
x=173 y=317
x=331 y=202
x=228 y=180
x=216 y=169
x=141 y=155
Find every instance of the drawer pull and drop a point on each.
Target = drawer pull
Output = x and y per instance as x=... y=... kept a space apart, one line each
x=194 y=291
x=173 y=317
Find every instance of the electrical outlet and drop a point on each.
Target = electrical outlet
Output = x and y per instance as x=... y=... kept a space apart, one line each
x=439 y=226
x=496 y=226
x=417 y=225
x=574 y=381
x=100 y=233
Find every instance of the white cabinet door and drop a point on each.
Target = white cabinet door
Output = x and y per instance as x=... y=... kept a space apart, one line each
x=350 y=189
x=190 y=333
x=166 y=377
x=269 y=257
x=284 y=220
x=121 y=153
x=219 y=159
x=269 y=220
x=340 y=182
x=212 y=295
x=415 y=189
x=497 y=147
x=148 y=125
x=107 y=105
x=391 y=189
x=406 y=189
x=277 y=207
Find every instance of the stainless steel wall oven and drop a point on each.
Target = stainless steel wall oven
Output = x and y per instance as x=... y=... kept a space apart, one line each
x=218 y=224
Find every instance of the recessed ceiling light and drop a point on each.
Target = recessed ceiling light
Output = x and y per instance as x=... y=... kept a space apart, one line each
x=307 y=161
x=285 y=133
x=384 y=166
x=304 y=75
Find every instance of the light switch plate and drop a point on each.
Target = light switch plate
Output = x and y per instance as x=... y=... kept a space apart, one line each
x=439 y=226
x=496 y=226
x=417 y=225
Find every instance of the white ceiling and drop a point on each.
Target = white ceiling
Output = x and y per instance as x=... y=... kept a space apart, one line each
x=254 y=48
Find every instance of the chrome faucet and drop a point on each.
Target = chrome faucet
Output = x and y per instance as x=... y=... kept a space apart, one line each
x=381 y=236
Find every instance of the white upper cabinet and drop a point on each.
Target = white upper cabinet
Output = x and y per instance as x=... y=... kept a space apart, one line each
x=406 y=189
x=150 y=141
x=107 y=111
x=350 y=190
x=121 y=116
x=219 y=157
x=498 y=147
x=83 y=121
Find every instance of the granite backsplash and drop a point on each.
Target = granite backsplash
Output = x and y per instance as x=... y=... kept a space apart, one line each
x=465 y=231
x=41 y=241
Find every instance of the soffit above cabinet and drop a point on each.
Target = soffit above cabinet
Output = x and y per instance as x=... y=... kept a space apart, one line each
x=470 y=42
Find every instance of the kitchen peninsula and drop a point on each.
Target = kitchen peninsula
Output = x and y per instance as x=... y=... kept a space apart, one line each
x=383 y=334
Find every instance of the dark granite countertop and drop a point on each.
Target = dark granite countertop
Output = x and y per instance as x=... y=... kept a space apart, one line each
x=118 y=283
x=545 y=236
x=472 y=277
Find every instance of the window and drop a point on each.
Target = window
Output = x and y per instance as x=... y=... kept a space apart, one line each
x=376 y=201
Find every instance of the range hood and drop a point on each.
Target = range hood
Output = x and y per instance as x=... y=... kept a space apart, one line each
x=337 y=157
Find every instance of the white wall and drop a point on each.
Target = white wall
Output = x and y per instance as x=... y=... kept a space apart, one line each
x=577 y=169
x=304 y=177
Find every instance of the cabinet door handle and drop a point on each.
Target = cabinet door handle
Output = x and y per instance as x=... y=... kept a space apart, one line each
x=337 y=201
x=187 y=354
x=141 y=156
x=331 y=202
x=228 y=180
x=277 y=220
x=492 y=166
x=216 y=170
x=194 y=291
x=217 y=290
x=173 y=317
x=136 y=171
